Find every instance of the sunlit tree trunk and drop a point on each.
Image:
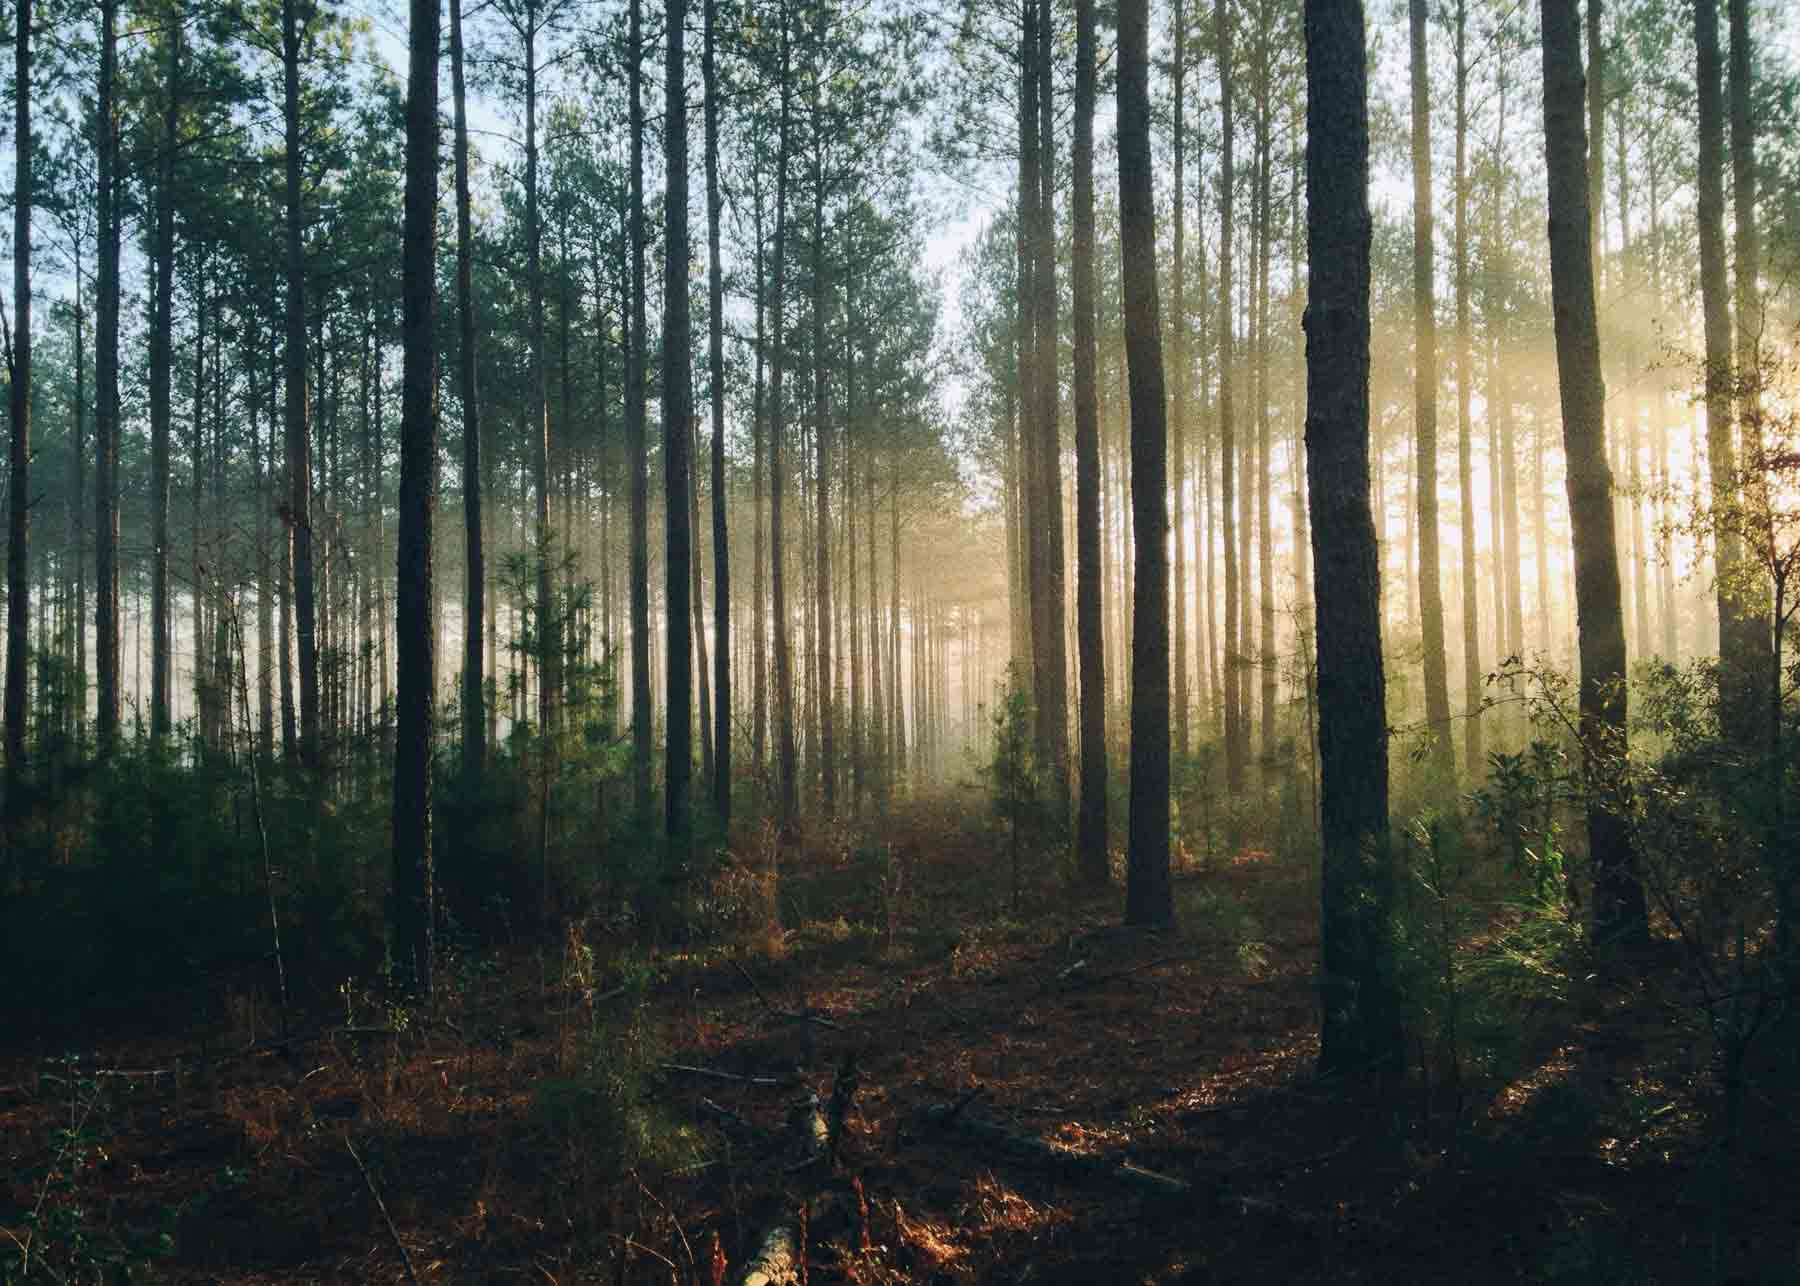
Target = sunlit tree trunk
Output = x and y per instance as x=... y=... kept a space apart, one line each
x=1739 y=631
x=1425 y=391
x=1618 y=907
x=715 y=356
x=296 y=415
x=1178 y=351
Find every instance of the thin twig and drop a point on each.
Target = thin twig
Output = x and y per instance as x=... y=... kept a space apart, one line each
x=393 y=1232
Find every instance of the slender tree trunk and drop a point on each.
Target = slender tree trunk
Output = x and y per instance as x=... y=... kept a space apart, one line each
x=106 y=393
x=637 y=448
x=827 y=686
x=1237 y=732
x=161 y=376
x=1465 y=430
x=1265 y=528
x=677 y=407
x=715 y=354
x=1360 y=1033
x=1091 y=826
x=759 y=622
x=18 y=511
x=1179 y=391
x=1049 y=651
x=474 y=694
x=1737 y=625
x=414 y=636
x=1618 y=901
x=788 y=791
x=1425 y=391
x=298 y=431
x=1147 y=892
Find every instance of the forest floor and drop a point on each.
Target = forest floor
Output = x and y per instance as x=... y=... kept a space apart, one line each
x=533 y=1128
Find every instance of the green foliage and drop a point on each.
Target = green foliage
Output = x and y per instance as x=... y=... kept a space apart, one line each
x=63 y=1237
x=1019 y=801
x=609 y=1112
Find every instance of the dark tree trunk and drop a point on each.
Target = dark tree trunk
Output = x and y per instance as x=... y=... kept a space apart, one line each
x=1425 y=391
x=474 y=694
x=415 y=673
x=1091 y=829
x=1465 y=383
x=298 y=432
x=161 y=378
x=18 y=509
x=1237 y=732
x=827 y=685
x=1147 y=892
x=1618 y=901
x=106 y=394
x=1179 y=391
x=1360 y=1033
x=1050 y=643
x=636 y=447
x=715 y=357
x=787 y=772
x=677 y=405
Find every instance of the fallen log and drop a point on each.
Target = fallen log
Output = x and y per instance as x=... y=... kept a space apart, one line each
x=781 y=1252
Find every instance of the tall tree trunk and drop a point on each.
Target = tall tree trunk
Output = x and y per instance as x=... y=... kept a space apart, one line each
x=298 y=431
x=677 y=407
x=759 y=622
x=1746 y=263
x=1049 y=649
x=1465 y=430
x=1618 y=901
x=715 y=358
x=18 y=509
x=636 y=446
x=1738 y=629
x=474 y=694
x=1425 y=391
x=107 y=393
x=1360 y=1033
x=549 y=630
x=161 y=376
x=1179 y=353
x=827 y=685
x=1596 y=156
x=1237 y=732
x=416 y=672
x=1147 y=892
x=788 y=768
x=1265 y=528
x=1091 y=828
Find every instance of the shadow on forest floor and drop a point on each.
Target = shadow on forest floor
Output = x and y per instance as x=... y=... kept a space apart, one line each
x=488 y=1133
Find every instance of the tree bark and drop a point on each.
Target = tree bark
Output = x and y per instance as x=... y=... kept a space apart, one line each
x=414 y=642
x=636 y=446
x=298 y=429
x=1360 y=1032
x=1425 y=391
x=1237 y=732
x=474 y=692
x=1465 y=429
x=107 y=393
x=677 y=406
x=715 y=354
x=1091 y=825
x=1147 y=893
x=18 y=509
x=161 y=378
x=1618 y=903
